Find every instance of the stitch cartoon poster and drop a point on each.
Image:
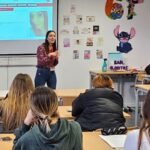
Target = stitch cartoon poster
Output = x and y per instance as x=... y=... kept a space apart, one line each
x=124 y=37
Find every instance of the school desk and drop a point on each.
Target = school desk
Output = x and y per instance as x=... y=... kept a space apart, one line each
x=91 y=141
x=67 y=95
x=6 y=145
x=65 y=112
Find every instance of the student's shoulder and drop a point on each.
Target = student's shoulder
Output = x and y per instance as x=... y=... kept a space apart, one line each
x=75 y=125
x=27 y=137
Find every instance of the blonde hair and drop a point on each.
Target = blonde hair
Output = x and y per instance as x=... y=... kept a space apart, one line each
x=16 y=105
x=102 y=81
x=44 y=105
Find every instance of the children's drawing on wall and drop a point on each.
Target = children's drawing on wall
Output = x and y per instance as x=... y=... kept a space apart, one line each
x=66 y=42
x=86 y=30
x=99 y=54
x=124 y=37
x=95 y=29
x=73 y=9
x=114 y=10
x=79 y=19
x=75 y=54
x=66 y=20
x=100 y=42
x=78 y=42
x=87 y=54
x=90 y=18
x=89 y=41
x=76 y=30
x=131 y=6
x=131 y=11
x=64 y=31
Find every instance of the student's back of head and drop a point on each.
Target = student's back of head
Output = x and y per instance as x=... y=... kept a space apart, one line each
x=102 y=81
x=44 y=105
x=15 y=106
x=44 y=129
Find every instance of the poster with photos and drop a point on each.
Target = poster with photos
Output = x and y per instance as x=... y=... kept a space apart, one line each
x=75 y=54
x=75 y=30
x=87 y=54
x=95 y=29
x=89 y=41
x=99 y=54
x=73 y=9
x=66 y=20
x=64 y=32
x=86 y=30
x=78 y=42
x=66 y=42
x=90 y=18
x=79 y=19
x=100 y=41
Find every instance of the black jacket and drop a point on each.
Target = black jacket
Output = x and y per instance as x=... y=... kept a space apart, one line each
x=64 y=135
x=98 y=108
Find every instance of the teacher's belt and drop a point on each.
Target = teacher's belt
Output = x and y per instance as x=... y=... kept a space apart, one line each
x=50 y=69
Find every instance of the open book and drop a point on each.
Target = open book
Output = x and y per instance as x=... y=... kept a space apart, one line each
x=115 y=141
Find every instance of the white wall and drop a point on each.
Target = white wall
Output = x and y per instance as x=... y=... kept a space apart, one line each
x=75 y=73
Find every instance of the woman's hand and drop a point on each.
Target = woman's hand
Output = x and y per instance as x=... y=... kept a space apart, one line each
x=29 y=118
x=54 y=54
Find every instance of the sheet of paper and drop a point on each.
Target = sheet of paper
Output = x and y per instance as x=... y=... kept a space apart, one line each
x=115 y=141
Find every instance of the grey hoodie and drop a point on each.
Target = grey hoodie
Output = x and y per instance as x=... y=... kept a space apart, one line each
x=64 y=135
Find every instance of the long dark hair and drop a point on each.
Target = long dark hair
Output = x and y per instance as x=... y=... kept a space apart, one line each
x=46 y=43
x=146 y=119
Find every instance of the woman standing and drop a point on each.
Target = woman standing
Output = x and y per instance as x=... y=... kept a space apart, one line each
x=47 y=59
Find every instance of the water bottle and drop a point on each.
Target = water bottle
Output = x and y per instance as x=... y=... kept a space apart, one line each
x=104 y=66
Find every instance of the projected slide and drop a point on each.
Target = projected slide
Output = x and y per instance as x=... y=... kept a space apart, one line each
x=25 y=19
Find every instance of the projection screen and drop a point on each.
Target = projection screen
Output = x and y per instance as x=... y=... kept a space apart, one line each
x=24 y=23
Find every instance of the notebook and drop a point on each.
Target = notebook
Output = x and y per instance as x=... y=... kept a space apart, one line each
x=115 y=141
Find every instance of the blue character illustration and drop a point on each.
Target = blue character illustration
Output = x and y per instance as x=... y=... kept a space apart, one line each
x=124 y=37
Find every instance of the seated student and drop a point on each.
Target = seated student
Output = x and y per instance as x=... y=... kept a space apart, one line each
x=100 y=107
x=140 y=139
x=14 y=107
x=43 y=129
